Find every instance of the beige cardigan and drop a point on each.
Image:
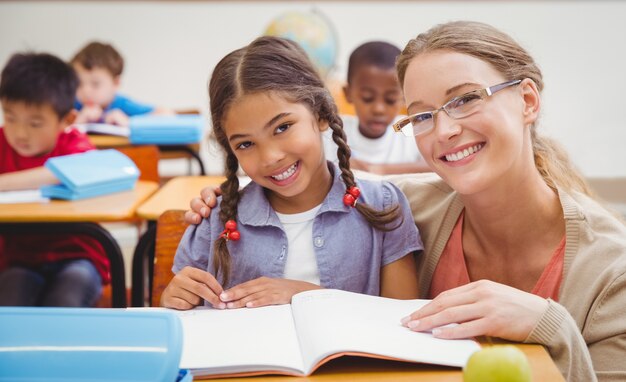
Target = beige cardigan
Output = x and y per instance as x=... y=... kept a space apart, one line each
x=585 y=333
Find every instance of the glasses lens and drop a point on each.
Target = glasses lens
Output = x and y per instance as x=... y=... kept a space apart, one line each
x=421 y=122
x=464 y=105
x=407 y=130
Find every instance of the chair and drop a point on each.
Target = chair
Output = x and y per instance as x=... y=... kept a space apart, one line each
x=146 y=158
x=336 y=90
x=171 y=226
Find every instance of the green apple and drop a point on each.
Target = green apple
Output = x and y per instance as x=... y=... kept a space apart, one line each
x=501 y=363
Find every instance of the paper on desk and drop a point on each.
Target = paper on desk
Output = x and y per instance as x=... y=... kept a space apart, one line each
x=103 y=128
x=22 y=196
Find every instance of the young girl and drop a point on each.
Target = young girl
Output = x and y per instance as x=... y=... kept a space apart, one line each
x=302 y=223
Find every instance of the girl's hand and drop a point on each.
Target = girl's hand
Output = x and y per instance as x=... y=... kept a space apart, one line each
x=480 y=308
x=201 y=207
x=264 y=291
x=189 y=287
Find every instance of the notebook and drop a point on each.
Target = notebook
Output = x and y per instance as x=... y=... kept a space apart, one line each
x=297 y=338
x=22 y=196
x=89 y=174
x=103 y=129
x=166 y=129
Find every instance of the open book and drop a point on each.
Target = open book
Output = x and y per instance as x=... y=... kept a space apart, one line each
x=318 y=326
x=103 y=129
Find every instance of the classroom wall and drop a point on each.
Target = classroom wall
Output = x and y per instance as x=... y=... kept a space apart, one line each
x=170 y=48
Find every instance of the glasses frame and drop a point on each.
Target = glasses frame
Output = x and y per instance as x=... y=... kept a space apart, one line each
x=484 y=93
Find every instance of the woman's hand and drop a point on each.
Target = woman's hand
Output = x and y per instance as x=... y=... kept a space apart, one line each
x=201 y=207
x=480 y=308
x=264 y=291
x=189 y=287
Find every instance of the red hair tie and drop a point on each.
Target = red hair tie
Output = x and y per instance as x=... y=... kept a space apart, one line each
x=352 y=194
x=230 y=233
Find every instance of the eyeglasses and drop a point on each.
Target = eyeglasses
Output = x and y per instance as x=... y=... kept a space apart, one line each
x=457 y=108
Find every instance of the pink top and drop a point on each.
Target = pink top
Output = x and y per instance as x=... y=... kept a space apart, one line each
x=451 y=271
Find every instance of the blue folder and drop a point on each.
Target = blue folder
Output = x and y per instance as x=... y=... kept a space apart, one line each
x=88 y=345
x=90 y=174
x=166 y=129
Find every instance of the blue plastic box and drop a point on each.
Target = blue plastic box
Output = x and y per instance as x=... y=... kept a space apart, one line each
x=89 y=174
x=166 y=129
x=88 y=345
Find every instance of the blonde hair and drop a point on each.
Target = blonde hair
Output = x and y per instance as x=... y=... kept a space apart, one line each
x=514 y=62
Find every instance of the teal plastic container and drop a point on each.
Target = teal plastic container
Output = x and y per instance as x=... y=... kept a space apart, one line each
x=76 y=344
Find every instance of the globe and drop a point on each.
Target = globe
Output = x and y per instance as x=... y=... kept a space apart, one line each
x=312 y=32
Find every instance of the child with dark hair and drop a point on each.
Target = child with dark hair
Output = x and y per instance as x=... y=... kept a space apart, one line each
x=37 y=93
x=374 y=91
x=302 y=223
x=99 y=67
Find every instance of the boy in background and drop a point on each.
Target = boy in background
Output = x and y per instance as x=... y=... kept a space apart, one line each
x=99 y=67
x=37 y=94
x=374 y=91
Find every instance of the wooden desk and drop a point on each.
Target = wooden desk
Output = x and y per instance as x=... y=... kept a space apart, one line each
x=174 y=195
x=369 y=369
x=111 y=141
x=108 y=208
x=108 y=141
x=79 y=217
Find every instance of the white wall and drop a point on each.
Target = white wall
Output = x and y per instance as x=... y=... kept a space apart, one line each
x=170 y=48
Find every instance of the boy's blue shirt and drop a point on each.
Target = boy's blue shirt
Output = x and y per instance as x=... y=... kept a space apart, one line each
x=349 y=252
x=125 y=104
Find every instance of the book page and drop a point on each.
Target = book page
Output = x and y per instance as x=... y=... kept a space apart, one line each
x=332 y=321
x=103 y=128
x=239 y=340
x=22 y=196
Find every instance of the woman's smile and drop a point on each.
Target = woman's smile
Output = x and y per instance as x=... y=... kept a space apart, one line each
x=462 y=153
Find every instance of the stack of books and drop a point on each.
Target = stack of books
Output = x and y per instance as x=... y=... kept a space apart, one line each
x=90 y=174
x=166 y=130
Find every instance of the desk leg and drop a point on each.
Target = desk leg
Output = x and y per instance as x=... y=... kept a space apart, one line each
x=143 y=264
x=110 y=246
x=189 y=151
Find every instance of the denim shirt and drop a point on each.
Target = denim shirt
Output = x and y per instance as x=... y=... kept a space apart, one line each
x=350 y=253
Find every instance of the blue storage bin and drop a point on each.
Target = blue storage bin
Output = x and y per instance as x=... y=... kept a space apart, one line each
x=89 y=174
x=166 y=129
x=89 y=345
